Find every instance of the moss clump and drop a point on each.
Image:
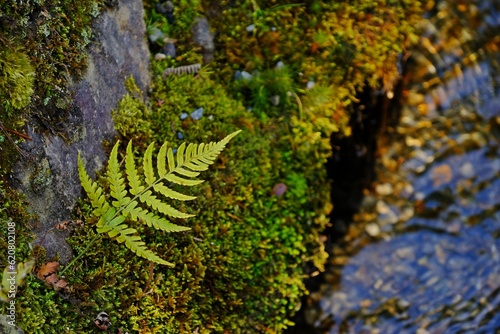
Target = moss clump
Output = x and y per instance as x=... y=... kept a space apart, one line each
x=241 y=268
x=129 y=116
x=56 y=33
x=16 y=79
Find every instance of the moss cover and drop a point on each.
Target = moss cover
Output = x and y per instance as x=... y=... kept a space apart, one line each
x=265 y=201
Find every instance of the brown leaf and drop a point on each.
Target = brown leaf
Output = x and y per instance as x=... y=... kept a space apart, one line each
x=48 y=274
x=48 y=269
x=61 y=284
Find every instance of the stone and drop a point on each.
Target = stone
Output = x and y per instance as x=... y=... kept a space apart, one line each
x=166 y=9
x=197 y=114
x=372 y=229
x=155 y=34
x=203 y=38
x=183 y=116
x=250 y=28
x=279 y=189
x=275 y=100
x=246 y=76
x=120 y=50
x=160 y=56
x=169 y=50
x=384 y=189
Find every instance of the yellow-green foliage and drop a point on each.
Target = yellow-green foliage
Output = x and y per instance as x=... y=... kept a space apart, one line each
x=16 y=79
x=341 y=46
x=241 y=267
x=130 y=114
x=122 y=203
x=54 y=35
x=17 y=273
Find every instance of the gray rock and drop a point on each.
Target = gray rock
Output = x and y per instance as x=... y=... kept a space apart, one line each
x=169 y=50
x=183 y=116
x=204 y=38
x=250 y=28
x=245 y=75
x=155 y=34
x=197 y=114
x=237 y=75
x=6 y=325
x=275 y=100
x=165 y=7
x=49 y=176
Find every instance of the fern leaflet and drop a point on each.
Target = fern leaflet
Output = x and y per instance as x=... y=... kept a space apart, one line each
x=138 y=197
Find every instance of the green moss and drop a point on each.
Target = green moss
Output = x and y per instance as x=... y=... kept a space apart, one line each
x=56 y=33
x=16 y=79
x=241 y=267
x=129 y=116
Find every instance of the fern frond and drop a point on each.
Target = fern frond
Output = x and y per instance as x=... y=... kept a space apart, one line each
x=146 y=190
x=161 y=160
x=135 y=244
x=94 y=192
x=152 y=201
x=115 y=179
x=149 y=172
x=167 y=192
x=179 y=180
x=154 y=221
x=132 y=175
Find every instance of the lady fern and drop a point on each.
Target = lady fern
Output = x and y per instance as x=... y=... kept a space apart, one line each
x=139 y=196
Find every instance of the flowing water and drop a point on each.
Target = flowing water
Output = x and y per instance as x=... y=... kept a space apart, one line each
x=423 y=253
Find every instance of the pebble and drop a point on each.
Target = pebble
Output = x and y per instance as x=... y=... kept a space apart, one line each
x=372 y=229
x=384 y=189
x=169 y=50
x=279 y=65
x=245 y=75
x=156 y=34
x=250 y=28
x=382 y=208
x=196 y=115
x=310 y=85
x=467 y=170
x=275 y=100
x=183 y=116
x=166 y=7
x=160 y=56
x=279 y=189
x=180 y=135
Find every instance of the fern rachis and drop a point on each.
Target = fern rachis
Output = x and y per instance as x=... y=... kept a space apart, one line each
x=137 y=197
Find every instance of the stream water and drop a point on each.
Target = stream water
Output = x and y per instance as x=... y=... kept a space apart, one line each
x=423 y=253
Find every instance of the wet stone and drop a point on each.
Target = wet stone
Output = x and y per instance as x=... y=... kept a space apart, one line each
x=197 y=114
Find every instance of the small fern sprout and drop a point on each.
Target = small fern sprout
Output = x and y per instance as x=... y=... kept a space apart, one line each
x=138 y=197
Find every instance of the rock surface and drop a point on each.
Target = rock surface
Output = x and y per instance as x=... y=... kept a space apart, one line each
x=204 y=38
x=49 y=176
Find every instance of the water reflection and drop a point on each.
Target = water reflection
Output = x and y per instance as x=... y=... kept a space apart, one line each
x=432 y=223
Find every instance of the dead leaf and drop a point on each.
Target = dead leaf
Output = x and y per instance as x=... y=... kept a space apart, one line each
x=47 y=270
x=48 y=274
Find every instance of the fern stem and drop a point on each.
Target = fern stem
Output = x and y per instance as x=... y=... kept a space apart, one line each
x=80 y=255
